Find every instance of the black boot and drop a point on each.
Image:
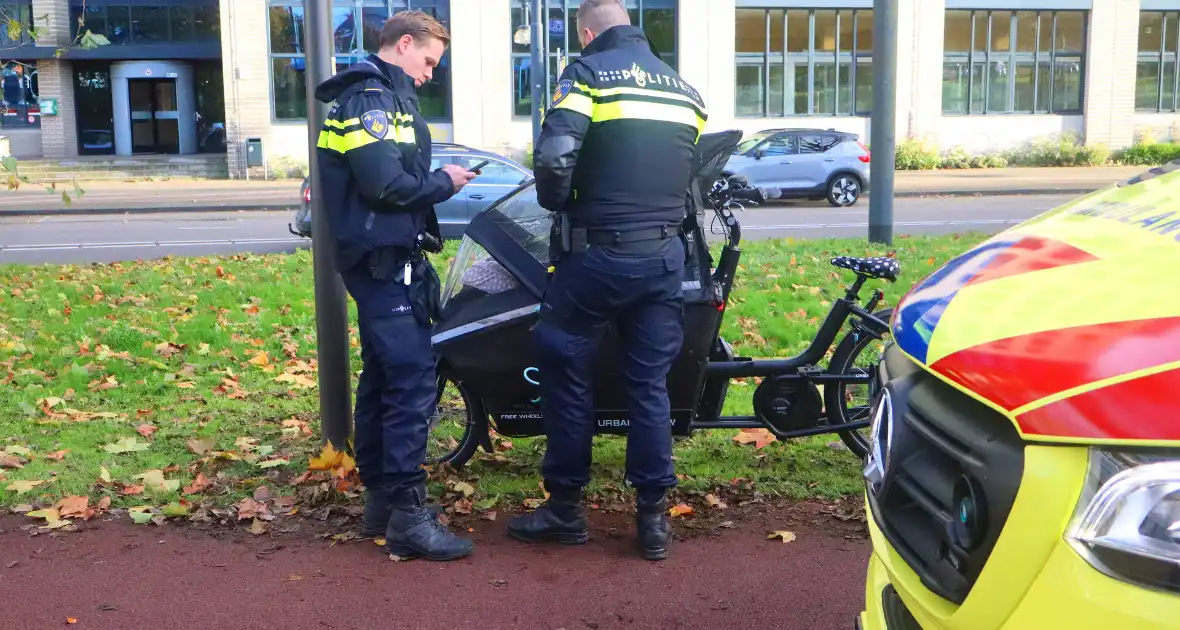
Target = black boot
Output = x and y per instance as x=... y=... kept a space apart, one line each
x=560 y=519
x=414 y=531
x=377 y=510
x=653 y=529
x=376 y=515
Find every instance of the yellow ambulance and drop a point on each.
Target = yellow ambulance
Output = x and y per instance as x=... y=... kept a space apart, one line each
x=1024 y=464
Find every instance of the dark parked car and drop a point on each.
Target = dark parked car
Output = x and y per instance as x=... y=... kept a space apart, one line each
x=500 y=176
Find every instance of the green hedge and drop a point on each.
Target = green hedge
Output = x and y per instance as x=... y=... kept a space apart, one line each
x=1064 y=150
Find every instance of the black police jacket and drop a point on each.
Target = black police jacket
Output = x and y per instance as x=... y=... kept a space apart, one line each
x=616 y=146
x=374 y=157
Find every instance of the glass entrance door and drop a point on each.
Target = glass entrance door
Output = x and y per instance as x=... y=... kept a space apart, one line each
x=155 y=118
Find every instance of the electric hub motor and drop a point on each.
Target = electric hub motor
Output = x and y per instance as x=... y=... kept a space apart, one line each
x=788 y=403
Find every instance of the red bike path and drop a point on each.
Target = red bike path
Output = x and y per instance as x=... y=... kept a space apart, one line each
x=113 y=574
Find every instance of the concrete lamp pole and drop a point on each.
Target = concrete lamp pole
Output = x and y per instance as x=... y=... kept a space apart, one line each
x=883 y=134
x=331 y=302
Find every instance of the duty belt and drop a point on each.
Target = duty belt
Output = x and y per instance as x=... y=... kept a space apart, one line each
x=583 y=237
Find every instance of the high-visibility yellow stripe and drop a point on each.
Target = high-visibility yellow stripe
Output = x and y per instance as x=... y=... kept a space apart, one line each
x=343 y=143
x=621 y=110
x=578 y=103
x=341 y=124
x=621 y=91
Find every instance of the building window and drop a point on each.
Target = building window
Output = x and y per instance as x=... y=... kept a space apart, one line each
x=21 y=108
x=657 y=18
x=21 y=13
x=1156 y=70
x=802 y=62
x=131 y=23
x=1013 y=62
x=287 y=47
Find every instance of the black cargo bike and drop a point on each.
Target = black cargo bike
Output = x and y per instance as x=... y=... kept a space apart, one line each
x=490 y=301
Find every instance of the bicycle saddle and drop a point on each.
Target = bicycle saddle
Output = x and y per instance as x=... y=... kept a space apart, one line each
x=884 y=267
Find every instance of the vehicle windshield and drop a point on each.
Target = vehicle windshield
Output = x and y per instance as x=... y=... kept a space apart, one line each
x=750 y=142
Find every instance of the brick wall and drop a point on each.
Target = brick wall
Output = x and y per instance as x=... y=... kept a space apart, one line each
x=55 y=79
x=1110 y=73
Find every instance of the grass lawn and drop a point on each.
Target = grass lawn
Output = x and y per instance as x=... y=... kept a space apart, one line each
x=191 y=381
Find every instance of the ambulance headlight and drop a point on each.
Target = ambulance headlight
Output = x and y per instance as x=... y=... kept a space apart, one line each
x=1127 y=523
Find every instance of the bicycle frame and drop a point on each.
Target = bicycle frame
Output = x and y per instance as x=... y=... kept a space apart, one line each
x=801 y=367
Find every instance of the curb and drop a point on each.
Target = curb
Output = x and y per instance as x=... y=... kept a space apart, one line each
x=158 y=210
x=997 y=193
x=295 y=206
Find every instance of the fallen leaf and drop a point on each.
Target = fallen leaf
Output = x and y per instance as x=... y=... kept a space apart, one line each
x=271 y=463
x=284 y=502
x=176 y=509
x=758 y=437
x=298 y=380
x=131 y=490
x=74 y=506
x=57 y=456
x=104 y=474
x=154 y=479
x=146 y=430
x=783 y=534
x=168 y=349
x=713 y=501
x=463 y=506
x=198 y=485
x=202 y=446
x=71 y=620
x=262 y=359
x=249 y=508
x=464 y=488
x=16 y=449
x=126 y=445
x=22 y=486
x=109 y=382
x=262 y=494
x=11 y=461
x=257 y=528
x=51 y=515
x=680 y=510
x=140 y=516
x=294 y=577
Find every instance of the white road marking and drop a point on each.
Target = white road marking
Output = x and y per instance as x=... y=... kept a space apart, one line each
x=62 y=246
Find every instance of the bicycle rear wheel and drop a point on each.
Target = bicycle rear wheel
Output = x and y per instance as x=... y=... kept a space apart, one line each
x=850 y=402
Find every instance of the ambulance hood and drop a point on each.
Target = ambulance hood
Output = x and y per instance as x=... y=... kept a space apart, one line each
x=1069 y=323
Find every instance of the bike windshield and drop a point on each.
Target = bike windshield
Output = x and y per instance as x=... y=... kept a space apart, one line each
x=750 y=142
x=500 y=266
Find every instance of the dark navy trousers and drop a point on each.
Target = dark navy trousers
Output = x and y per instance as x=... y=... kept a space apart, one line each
x=640 y=293
x=395 y=398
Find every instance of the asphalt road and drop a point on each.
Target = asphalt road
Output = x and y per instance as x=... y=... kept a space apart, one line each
x=109 y=238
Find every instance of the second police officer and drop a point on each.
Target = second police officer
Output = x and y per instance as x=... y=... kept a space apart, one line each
x=374 y=155
x=613 y=163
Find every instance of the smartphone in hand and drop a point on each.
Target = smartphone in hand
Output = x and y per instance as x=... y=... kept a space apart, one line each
x=475 y=169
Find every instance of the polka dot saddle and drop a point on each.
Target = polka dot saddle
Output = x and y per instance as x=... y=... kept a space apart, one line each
x=884 y=267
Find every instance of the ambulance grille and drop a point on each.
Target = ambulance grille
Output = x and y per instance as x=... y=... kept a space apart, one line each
x=941 y=438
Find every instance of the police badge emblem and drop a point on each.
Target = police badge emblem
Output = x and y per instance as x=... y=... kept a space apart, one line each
x=563 y=90
x=376 y=122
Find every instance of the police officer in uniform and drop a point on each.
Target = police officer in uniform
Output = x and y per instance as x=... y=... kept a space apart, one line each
x=374 y=157
x=613 y=163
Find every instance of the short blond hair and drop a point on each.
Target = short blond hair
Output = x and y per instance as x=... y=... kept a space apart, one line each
x=417 y=24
